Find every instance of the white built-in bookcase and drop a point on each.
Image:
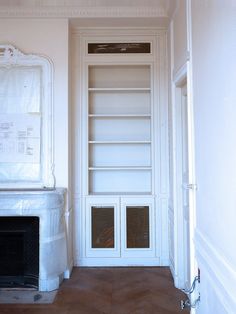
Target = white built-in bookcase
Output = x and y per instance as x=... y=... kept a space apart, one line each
x=121 y=164
x=119 y=129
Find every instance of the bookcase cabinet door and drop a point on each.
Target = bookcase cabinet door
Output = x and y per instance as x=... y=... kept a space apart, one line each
x=102 y=227
x=120 y=227
x=137 y=227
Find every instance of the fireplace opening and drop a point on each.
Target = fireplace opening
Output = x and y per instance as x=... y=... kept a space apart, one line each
x=19 y=252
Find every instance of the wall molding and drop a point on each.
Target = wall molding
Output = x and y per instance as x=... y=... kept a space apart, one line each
x=220 y=271
x=179 y=75
x=81 y=12
x=181 y=68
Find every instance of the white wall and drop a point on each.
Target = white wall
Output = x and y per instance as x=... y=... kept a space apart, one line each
x=48 y=37
x=214 y=96
x=214 y=99
x=179 y=36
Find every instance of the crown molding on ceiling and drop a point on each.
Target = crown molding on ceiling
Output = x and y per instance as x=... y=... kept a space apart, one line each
x=81 y=12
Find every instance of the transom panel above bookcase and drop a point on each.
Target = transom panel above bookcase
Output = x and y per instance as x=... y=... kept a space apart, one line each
x=119 y=129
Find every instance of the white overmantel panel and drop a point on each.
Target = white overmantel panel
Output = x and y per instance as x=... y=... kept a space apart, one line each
x=26 y=159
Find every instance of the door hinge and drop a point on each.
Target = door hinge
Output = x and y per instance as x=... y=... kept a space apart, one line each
x=188 y=303
x=190 y=186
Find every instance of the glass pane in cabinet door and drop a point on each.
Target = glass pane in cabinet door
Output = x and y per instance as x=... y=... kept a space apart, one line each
x=137 y=224
x=102 y=227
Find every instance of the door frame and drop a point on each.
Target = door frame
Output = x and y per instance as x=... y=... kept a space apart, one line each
x=181 y=77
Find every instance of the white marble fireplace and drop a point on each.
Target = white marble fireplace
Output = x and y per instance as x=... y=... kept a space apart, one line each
x=27 y=178
x=48 y=205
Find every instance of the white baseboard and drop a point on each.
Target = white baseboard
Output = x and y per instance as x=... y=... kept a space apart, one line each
x=112 y=262
x=164 y=261
x=68 y=272
x=174 y=275
x=221 y=274
x=172 y=270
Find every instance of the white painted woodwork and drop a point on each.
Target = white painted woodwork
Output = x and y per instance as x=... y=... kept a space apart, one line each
x=52 y=34
x=94 y=13
x=137 y=252
x=118 y=129
x=125 y=176
x=112 y=202
x=120 y=155
x=120 y=249
x=184 y=166
x=122 y=118
x=100 y=99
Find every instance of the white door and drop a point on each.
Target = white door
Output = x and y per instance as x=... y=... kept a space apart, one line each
x=137 y=227
x=184 y=263
x=102 y=225
x=120 y=231
x=186 y=267
x=185 y=185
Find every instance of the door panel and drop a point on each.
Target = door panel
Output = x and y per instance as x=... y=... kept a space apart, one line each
x=137 y=227
x=102 y=227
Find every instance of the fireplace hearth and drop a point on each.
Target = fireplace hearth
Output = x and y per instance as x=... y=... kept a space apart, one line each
x=19 y=251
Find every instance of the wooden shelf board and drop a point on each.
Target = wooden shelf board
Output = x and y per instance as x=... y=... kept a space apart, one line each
x=111 y=89
x=120 y=116
x=119 y=142
x=120 y=168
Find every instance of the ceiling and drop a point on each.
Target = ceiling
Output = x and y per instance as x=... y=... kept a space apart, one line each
x=94 y=12
x=88 y=3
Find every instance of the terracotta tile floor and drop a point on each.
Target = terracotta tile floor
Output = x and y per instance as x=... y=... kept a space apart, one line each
x=147 y=290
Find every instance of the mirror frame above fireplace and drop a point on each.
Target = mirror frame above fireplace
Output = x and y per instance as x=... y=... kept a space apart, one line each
x=21 y=174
